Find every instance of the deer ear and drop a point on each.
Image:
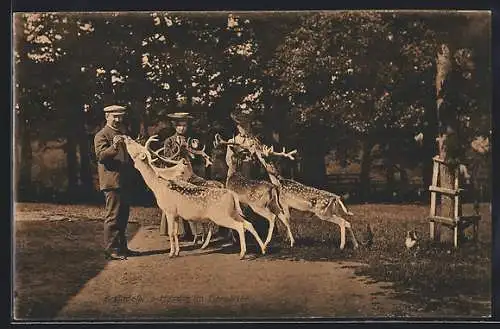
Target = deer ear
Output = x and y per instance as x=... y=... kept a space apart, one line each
x=142 y=156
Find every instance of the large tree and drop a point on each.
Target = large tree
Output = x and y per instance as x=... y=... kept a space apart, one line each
x=351 y=74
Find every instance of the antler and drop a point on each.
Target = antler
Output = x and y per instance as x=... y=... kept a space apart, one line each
x=157 y=153
x=270 y=151
x=219 y=141
x=206 y=157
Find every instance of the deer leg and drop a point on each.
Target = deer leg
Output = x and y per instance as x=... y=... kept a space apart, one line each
x=176 y=238
x=248 y=226
x=284 y=220
x=243 y=246
x=208 y=237
x=171 y=233
x=194 y=230
x=342 y=236
x=353 y=237
x=267 y=214
x=340 y=222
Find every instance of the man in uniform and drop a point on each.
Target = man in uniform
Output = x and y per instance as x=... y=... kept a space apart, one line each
x=114 y=170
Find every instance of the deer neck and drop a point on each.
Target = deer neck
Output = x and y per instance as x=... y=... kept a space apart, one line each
x=274 y=179
x=231 y=169
x=270 y=170
x=149 y=175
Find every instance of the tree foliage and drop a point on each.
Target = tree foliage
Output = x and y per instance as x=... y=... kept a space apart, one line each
x=336 y=77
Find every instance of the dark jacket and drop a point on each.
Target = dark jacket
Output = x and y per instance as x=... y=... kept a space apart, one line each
x=113 y=165
x=171 y=145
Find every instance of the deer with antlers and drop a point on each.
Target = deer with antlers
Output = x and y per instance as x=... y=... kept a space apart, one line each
x=178 y=198
x=261 y=196
x=325 y=205
x=191 y=149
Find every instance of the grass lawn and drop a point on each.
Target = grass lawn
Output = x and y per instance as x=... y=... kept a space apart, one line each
x=436 y=279
x=55 y=258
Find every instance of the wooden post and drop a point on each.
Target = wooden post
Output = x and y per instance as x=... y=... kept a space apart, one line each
x=457 y=211
x=454 y=219
x=435 y=176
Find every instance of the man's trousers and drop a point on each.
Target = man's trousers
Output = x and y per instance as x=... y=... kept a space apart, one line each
x=115 y=223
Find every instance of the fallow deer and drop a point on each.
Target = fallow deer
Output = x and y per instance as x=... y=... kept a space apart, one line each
x=325 y=205
x=176 y=197
x=192 y=147
x=261 y=196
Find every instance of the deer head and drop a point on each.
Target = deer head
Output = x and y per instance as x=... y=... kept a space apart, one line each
x=261 y=151
x=143 y=155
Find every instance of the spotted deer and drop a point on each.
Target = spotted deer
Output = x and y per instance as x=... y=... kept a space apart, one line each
x=205 y=230
x=261 y=196
x=178 y=198
x=325 y=205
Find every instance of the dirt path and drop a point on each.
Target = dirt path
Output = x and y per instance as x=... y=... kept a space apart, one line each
x=215 y=283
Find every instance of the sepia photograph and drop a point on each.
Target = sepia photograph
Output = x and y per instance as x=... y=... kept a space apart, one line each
x=251 y=165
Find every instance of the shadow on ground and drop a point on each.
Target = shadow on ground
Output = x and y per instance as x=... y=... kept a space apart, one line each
x=53 y=261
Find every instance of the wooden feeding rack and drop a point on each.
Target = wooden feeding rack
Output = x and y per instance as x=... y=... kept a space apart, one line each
x=459 y=222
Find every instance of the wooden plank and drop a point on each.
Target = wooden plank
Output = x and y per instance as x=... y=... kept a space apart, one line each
x=451 y=221
x=431 y=229
x=470 y=218
x=435 y=174
x=445 y=190
x=433 y=204
x=457 y=211
x=443 y=220
x=433 y=195
x=437 y=159
x=457 y=205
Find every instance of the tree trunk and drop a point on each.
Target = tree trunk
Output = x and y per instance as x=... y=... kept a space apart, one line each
x=443 y=70
x=144 y=124
x=366 y=163
x=70 y=149
x=429 y=147
x=85 y=172
x=389 y=171
x=313 y=168
x=18 y=149
x=25 y=159
x=390 y=181
x=72 y=167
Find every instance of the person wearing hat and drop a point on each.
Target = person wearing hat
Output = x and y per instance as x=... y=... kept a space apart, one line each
x=248 y=166
x=114 y=171
x=180 y=121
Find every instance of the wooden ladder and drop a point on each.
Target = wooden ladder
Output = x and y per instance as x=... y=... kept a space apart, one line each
x=459 y=222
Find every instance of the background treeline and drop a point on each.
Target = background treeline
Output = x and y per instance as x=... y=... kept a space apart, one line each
x=349 y=90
